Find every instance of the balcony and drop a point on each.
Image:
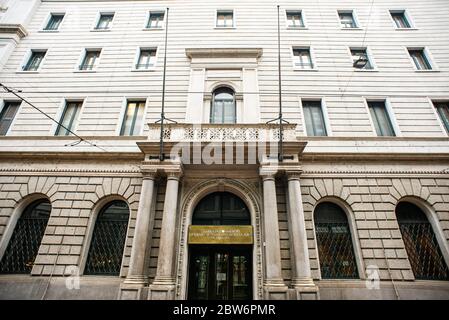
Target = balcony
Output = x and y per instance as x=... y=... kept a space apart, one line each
x=182 y=132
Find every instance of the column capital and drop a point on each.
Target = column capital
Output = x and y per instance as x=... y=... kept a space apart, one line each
x=149 y=173
x=293 y=174
x=173 y=171
x=268 y=172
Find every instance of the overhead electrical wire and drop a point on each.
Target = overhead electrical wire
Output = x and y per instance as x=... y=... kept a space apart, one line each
x=81 y=139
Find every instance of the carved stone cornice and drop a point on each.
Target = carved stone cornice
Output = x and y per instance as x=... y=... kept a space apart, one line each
x=223 y=52
x=14 y=29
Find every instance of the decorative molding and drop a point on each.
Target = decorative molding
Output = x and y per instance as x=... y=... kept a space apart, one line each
x=251 y=195
x=15 y=29
x=192 y=53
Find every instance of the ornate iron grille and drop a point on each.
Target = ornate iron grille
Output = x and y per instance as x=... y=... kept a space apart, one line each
x=423 y=251
x=337 y=260
x=108 y=240
x=24 y=243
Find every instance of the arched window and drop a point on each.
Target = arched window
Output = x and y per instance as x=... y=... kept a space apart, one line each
x=421 y=245
x=221 y=208
x=335 y=248
x=223 y=106
x=26 y=238
x=108 y=240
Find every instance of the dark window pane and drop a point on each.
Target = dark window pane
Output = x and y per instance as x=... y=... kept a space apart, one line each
x=335 y=248
x=69 y=118
x=132 y=122
x=294 y=19
x=27 y=236
x=108 y=240
x=7 y=116
x=156 y=20
x=223 y=106
x=314 y=119
x=443 y=111
x=420 y=59
x=35 y=61
x=104 y=21
x=400 y=20
x=381 y=119
x=421 y=245
x=347 y=20
x=54 y=22
x=221 y=208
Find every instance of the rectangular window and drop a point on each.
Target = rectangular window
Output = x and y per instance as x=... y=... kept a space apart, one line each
x=147 y=59
x=443 y=112
x=7 y=116
x=90 y=59
x=420 y=59
x=294 y=19
x=400 y=19
x=104 y=21
x=360 y=59
x=35 y=60
x=347 y=20
x=69 y=117
x=132 y=121
x=156 y=20
x=381 y=119
x=302 y=58
x=54 y=21
x=225 y=18
x=314 y=118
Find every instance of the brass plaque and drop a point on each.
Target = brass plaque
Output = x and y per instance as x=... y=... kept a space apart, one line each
x=220 y=235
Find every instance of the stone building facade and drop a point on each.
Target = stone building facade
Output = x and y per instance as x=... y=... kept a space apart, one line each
x=227 y=164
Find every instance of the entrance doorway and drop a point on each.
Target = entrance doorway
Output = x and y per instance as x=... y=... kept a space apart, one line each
x=220 y=271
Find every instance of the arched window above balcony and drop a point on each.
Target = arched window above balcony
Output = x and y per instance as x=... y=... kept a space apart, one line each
x=223 y=106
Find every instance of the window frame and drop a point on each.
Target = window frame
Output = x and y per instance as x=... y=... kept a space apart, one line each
x=354 y=235
x=212 y=105
x=323 y=111
x=427 y=56
x=137 y=58
x=301 y=11
x=97 y=21
x=3 y=103
x=83 y=54
x=433 y=103
x=122 y=115
x=47 y=21
x=61 y=112
x=407 y=17
x=312 y=58
x=354 y=18
x=216 y=26
x=87 y=242
x=369 y=55
x=390 y=114
x=26 y=60
x=148 y=15
x=434 y=221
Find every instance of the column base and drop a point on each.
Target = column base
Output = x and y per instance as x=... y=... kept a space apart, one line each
x=161 y=291
x=275 y=290
x=304 y=289
x=132 y=292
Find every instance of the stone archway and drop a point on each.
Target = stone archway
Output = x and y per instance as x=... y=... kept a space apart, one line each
x=188 y=204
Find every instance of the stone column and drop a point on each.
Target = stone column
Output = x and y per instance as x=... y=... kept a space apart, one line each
x=302 y=278
x=274 y=286
x=134 y=285
x=163 y=287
